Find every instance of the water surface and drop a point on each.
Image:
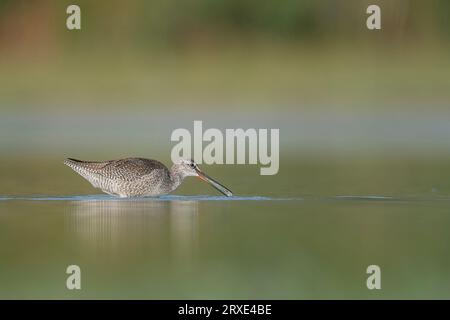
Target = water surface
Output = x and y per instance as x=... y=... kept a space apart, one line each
x=310 y=231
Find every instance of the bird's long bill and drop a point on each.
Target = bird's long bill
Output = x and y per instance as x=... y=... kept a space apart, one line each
x=214 y=183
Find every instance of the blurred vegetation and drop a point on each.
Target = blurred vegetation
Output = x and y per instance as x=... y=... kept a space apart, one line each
x=191 y=23
x=223 y=52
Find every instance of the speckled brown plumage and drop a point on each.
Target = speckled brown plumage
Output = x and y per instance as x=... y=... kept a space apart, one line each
x=129 y=177
x=138 y=177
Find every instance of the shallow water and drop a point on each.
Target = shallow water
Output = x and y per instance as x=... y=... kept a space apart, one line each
x=214 y=247
x=309 y=232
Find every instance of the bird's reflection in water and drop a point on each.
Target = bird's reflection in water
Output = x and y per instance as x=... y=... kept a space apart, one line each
x=184 y=229
x=135 y=228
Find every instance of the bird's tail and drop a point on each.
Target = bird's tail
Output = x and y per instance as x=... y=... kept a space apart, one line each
x=71 y=162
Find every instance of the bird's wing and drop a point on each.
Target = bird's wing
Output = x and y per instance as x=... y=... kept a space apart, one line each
x=128 y=169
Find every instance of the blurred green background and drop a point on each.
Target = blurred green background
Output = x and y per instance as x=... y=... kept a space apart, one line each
x=360 y=113
x=143 y=56
x=339 y=93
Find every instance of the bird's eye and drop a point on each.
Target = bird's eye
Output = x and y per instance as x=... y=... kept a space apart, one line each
x=192 y=165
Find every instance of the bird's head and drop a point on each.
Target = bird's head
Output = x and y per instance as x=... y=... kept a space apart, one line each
x=190 y=168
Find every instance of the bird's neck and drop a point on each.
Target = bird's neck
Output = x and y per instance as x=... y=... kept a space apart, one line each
x=177 y=175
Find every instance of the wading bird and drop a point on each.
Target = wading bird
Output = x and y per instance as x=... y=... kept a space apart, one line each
x=138 y=177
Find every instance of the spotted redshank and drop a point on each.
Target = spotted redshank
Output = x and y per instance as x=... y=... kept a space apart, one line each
x=138 y=177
